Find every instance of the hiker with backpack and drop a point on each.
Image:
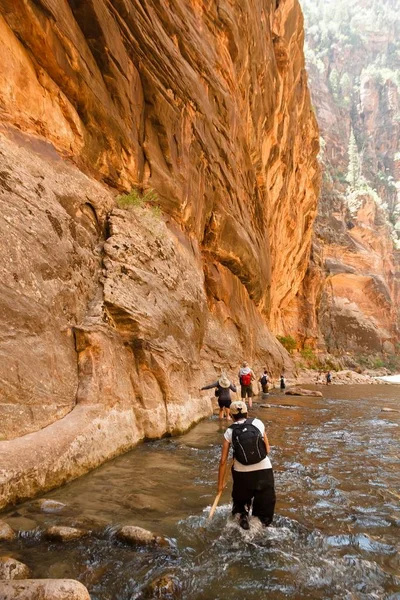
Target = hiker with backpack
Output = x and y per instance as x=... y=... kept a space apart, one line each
x=253 y=478
x=264 y=382
x=246 y=376
x=223 y=388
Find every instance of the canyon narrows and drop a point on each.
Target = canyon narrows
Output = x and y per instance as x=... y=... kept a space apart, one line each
x=113 y=318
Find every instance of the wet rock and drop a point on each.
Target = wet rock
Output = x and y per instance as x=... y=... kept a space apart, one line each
x=139 y=536
x=265 y=405
x=389 y=410
x=302 y=392
x=166 y=586
x=44 y=589
x=50 y=506
x=64 y=534
x=11 y=568
x=6 y=532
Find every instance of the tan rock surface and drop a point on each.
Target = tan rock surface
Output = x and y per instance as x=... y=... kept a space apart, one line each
x=113 y=319
x=44 y=589
x=62 y=533
x=296 y=391
x=139 y=536
x=6 y=532
x=11 y=568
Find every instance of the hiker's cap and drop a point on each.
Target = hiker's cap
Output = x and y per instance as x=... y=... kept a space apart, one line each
x=238 y=407
x=224 y=381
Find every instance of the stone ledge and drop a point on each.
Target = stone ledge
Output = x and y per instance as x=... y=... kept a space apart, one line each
x=86 y=438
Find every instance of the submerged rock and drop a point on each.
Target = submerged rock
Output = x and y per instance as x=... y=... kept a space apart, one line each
x=11 y=568
x=44 y=589
x=166 y=586
x=51 y=506
x=62 y=533
x=265 y=405
x=140 y=537
x=6 y=532
x=302 y=392
x=389 y=410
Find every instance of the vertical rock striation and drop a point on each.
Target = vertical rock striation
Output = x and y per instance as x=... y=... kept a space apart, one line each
x=129 y=311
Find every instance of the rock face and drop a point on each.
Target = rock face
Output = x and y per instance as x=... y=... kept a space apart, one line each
x=113 y=319
x=350 y=296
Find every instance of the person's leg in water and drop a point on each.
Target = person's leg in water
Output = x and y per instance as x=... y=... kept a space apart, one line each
x=250 y=396
x=241 y=497
x=221 y=410
x=264 y=496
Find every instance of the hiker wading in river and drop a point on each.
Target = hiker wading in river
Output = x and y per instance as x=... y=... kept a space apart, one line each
x=253 y=478
x=223 y=388
x=246 y=376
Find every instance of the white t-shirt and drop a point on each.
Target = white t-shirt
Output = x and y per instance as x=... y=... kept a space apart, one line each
x=237 y=466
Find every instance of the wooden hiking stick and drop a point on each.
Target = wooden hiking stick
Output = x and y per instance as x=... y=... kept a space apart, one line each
x=215 y=504
x=218 y=496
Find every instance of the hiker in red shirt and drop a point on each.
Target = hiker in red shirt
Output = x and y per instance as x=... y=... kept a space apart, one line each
x=246 y=376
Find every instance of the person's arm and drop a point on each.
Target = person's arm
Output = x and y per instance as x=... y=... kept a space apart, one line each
x=266 y=443
x=222 y=465
x=208 y=387
x=233 y=387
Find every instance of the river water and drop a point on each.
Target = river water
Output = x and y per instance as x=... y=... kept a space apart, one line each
x=336 y=533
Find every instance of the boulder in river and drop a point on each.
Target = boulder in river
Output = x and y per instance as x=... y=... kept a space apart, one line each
x=296 y=391
x=6 y=532
x=50 y=506
x=62 y=533
x=11 y=568
x=139 y=536
x=166 y=586
x=44 y=589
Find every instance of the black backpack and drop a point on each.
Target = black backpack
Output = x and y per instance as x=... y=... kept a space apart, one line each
x=247 y=443
x=264 y=380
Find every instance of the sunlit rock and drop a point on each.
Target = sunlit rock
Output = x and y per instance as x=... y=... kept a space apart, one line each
x=64 y=534
x=11 y=568
x=43 y=589
x=6 y=532
x=139 y=536
x=296 y=391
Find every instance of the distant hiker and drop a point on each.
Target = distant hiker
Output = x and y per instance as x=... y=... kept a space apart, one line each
x=223 y=393
x=253 y=478
x=264 y=382
x=282 y=382
x=328 y=378
x=246 y=376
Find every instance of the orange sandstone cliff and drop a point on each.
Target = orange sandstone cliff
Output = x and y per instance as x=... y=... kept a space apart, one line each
x=352 y=285
x=113 y=318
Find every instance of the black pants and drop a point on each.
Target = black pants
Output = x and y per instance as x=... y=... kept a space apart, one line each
x=256 y=486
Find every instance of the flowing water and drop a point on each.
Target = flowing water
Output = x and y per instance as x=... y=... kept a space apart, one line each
x=336 y=533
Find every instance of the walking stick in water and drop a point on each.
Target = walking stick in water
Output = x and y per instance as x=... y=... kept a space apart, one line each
x=218 y=496
x=215 y=504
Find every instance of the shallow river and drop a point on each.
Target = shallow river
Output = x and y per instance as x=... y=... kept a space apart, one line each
x=336 y=533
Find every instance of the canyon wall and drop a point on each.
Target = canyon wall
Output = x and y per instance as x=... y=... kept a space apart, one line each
x=352 y=285
x=114 y=315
